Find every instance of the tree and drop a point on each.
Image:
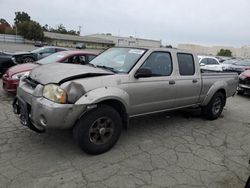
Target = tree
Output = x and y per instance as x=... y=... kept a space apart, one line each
x=30 y=30
x=225 y=52
x=4 y=26
x=21 y=17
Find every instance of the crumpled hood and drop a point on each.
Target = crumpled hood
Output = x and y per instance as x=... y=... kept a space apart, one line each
x=61 y=72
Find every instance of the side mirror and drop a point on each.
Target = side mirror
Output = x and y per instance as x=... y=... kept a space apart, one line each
x=143 y=73
x=202 y=64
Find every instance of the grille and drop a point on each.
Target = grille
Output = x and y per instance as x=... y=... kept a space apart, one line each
x=246 y=81
x=31 y=82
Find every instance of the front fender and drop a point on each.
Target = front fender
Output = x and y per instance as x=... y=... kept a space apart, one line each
x=105 y=93
x=212 y=90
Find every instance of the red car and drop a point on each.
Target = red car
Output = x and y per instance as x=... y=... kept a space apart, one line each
x=13 y=74
x=244 y=83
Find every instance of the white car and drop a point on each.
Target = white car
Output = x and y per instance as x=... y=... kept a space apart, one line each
x=209 y=63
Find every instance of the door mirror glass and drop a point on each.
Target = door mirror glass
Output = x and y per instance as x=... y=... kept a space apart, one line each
x=143 y=73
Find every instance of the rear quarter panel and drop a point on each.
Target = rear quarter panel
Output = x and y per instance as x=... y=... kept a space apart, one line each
x=212 y=82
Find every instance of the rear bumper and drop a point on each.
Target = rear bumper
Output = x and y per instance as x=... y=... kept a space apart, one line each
x=10 y=85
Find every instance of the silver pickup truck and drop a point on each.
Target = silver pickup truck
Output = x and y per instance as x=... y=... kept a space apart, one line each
x=97 y=100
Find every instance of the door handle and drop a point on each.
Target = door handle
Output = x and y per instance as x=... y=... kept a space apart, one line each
x=195 y=80
x=171 y=82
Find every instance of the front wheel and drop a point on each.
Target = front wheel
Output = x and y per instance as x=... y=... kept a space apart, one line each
x=97 y=131
x=215 y=106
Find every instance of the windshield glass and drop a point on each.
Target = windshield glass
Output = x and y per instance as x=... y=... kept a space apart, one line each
x=38 y=50
x=52 y=58
x=118 y=59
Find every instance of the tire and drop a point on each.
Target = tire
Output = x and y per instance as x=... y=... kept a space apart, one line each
x=28 y=60
x=248 y=183
x=98 y=130
x=214 y=108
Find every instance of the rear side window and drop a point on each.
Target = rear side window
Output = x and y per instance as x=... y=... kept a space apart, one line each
x=186 y=64
x=160 y=63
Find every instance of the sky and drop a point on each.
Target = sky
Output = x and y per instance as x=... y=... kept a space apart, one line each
x=204 y=22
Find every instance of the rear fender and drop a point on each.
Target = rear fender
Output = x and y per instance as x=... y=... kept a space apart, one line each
x=213 y=89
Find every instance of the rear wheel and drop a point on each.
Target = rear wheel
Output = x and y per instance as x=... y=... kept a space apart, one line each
x=98 y=130
x=215 y=106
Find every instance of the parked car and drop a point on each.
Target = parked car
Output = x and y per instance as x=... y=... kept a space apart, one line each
x=80 y=46
x=228 y=63
x=98 y=99
x=26 y=57
x=244 y=83
x=38 y=43
x=223 y=58
x=5 y=62
x=12 y=75
x=209 y=63
x=240 y=66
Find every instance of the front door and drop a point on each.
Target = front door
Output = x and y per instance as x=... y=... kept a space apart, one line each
x=154 y=93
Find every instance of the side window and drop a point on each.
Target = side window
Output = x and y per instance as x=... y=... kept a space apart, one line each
x=91 y=57
x=160 y=63
x=60 y=49
x=212 y=62
x=82 y=59
x=186 y=64
x=204 y=61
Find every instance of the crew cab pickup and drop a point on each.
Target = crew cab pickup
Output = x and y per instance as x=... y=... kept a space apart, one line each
x=97 y=100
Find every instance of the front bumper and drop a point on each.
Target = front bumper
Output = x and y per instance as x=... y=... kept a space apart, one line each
x=44 y=114
x=244 y=87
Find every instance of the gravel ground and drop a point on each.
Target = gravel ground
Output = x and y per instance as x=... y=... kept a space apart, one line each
x=178 y=149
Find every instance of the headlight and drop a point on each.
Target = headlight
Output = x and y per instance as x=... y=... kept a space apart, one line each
x=20 y=74
x=14 y=60
x=54 y=93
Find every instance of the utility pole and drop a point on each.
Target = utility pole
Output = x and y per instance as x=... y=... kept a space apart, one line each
x=16 y=33
x=80 y=27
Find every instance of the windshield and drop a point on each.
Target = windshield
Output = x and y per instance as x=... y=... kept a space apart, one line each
x=52 y=58
x=118 y=59
x=38 y=50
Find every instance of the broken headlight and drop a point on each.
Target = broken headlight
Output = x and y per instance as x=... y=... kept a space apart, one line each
x=54 y=93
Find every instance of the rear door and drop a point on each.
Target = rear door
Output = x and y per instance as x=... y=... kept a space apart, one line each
x=188 y=81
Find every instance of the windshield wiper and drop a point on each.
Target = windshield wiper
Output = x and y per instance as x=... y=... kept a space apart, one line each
x=107 y=68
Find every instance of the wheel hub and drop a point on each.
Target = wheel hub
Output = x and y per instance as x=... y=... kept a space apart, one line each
x=101 y=130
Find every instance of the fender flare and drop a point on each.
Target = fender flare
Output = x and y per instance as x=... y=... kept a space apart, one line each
x=220 y=85
x=105 y=93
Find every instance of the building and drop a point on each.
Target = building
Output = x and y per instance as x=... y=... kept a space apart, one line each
x=128 y=41
x=243 y=51
x=66 y=40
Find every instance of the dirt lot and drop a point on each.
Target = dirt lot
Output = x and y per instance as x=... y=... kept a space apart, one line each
x=177 y=149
